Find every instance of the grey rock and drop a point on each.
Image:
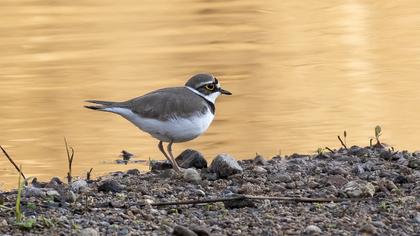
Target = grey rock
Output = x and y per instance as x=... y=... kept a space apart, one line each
x=3 y=223
x=312 y=230
x=259 y=170
x=191 y=158
x=161 y=165
x=414 y=163
x=191 y=175
x=110 y=185
x=53 y=193
x=260 y=160
x=337 y=181
x=417 y=218
x=284 y=178
x=183 y=231
x=368 y=229
x=168 y=173
x=133 y=172
x=200 y=231
x=225 y=165
x=200 y=193
x=355 y=189
x=70 y=196
x=55 y=183
x=77 y=185
x=89 y=232
x=239 y=203
x=34 y=192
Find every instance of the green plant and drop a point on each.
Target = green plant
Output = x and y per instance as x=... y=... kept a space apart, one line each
x=378 y=132
x=320 y=151
x=18 y=212
x=70 y=157
x=27 y=224
x=31 y=205
x=47 y=221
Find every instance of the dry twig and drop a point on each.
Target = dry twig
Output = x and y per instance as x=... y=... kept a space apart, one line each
x=70 y=157
x=13 y=163
x=251 y=197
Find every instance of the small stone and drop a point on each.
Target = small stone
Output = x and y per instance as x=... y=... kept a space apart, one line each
x=225 y=165
x=417 y=218
x=183 y=231
x=77 y=185
x=337 y=181
x=161 y=165
x=368 y=229
x=55 y=183
x=191 y=158
x=3 y=223
x=89 y=232
x=37 y=184
x=110 y=185
x=70 y=196
x=191 y=175
x=355 y=189
x=388 y=184
x=259 y=170
x=168 y=173
x=34 y=192
x=200 y=193
x=284 y=178
x=239 y=203
x=133 y=172
x=414 y=163
x=312 y=230
x=260 y=160
x=200 y=231
x=53 y=193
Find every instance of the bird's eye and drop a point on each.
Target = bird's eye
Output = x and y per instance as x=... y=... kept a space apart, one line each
x=210 y=87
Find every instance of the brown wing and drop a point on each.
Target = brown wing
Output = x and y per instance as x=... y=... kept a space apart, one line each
x=167 y=103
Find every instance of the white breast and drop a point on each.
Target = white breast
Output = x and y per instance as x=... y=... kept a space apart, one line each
x=176 y=129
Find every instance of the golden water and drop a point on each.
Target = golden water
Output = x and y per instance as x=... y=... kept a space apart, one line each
x=301 y=73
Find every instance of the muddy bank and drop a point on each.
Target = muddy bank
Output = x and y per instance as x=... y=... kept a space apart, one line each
x=378 y=192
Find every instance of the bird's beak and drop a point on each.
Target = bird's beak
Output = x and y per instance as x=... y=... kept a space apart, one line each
x=225 y=92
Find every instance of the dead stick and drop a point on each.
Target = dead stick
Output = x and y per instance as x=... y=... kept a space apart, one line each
x=11 y=161
x=341 y=141
x=243 y=197
x=329 y=149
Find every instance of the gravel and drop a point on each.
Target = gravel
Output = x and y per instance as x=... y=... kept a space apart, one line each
x=379 y=193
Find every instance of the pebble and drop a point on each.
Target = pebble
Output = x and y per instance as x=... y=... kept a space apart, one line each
x=89 y=232
x=368 y=229
x=312 y=229
x=110 y=185
x=161 y=165
x=225 y=165
x=260 y=160
x=183 y=231
x=355 y=189
x=191 y=175
x=3 y=223
x=191 y=158
x=77 y=185
x=259 y=170
x=133 y=172
x=34 y=192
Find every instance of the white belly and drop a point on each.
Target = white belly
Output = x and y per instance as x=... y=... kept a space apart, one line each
x=176 y=129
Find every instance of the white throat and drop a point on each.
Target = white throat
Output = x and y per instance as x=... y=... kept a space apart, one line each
x=211 y=97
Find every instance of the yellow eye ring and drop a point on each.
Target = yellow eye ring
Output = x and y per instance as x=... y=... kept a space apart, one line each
x=210 y=87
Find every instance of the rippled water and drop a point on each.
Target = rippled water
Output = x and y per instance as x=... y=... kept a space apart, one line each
x=301 y=73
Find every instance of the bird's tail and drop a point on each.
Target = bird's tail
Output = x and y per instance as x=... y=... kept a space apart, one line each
x=101 y=106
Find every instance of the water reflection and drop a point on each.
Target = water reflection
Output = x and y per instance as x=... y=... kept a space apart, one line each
x=301 y=73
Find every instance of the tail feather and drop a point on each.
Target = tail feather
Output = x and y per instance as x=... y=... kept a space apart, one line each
x=95 y=107
x=105 y=103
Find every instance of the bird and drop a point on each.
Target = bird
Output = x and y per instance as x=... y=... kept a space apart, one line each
x=171 y=115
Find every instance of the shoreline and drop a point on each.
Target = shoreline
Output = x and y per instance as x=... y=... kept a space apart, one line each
x=370 y=190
